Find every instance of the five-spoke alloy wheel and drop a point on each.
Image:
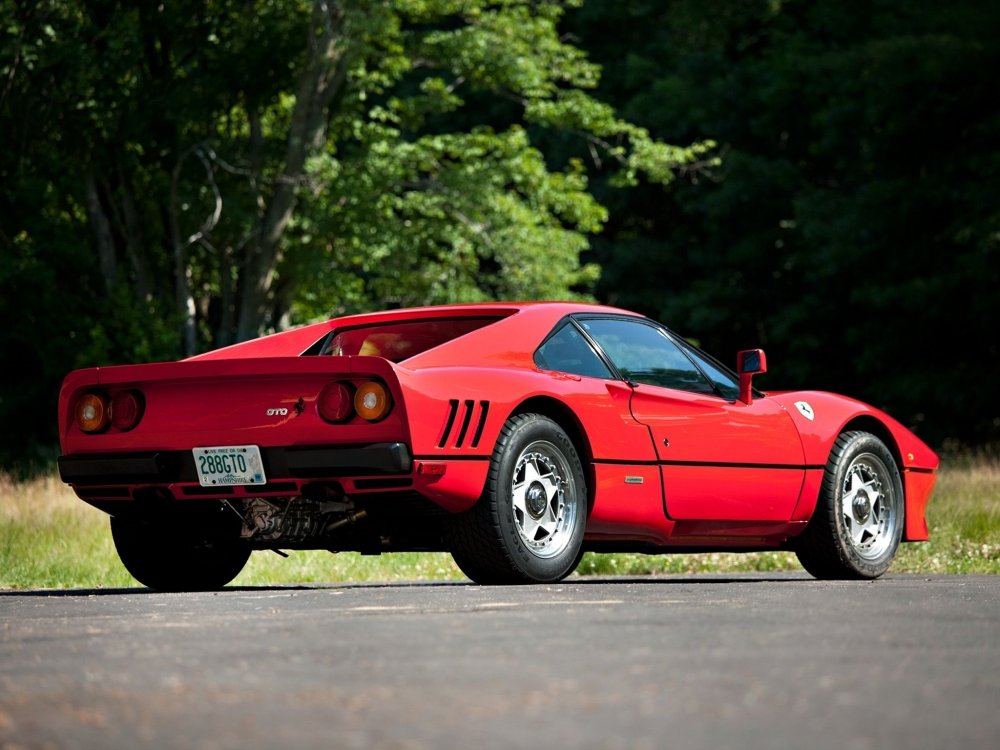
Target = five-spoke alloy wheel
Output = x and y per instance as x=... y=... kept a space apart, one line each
x=528 y=526
x=543 y=517
x=858 y=522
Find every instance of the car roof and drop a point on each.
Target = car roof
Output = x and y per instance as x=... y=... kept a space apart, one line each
x=526 y=323
x=551 y=309
x=510 y=341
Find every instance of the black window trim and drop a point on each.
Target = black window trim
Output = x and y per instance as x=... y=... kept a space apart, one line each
x=678 y=341
x=690 y=349
x=598 y=352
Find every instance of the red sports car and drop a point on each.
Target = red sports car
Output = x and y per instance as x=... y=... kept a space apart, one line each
x=513 y=435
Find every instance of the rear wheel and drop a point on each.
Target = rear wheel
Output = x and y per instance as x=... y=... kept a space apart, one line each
x=857 y=526
x=163 y=553
x=528 y=527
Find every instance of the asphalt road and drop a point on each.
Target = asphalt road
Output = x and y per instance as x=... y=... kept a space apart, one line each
x=688 y=662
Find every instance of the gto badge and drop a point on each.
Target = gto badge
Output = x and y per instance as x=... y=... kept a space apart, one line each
x=805 y=410
x=277 y=412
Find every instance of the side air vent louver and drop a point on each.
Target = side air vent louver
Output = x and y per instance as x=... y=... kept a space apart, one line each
x=463 y=413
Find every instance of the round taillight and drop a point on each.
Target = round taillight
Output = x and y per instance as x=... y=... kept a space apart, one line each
x=126 y=410
x=92 y=413
x=336 y=402
x=372 y=401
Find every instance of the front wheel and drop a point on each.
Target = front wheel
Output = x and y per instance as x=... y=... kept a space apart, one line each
x=163 y=553
x=528 y=527
x=857 y=526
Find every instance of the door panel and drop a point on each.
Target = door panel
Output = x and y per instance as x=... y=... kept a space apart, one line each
x=726 y=493
x=722 y=460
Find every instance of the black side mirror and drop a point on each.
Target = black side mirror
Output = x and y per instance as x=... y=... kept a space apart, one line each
x=749 y=363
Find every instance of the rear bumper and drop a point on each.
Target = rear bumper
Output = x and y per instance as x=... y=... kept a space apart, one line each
x=173 y=467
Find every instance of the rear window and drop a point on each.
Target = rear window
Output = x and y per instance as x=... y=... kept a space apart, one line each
x=397 y=341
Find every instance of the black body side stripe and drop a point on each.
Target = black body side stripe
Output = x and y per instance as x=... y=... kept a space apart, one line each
x=736 y=465
x=709 y=464
x=437 y=458
x=617 y=462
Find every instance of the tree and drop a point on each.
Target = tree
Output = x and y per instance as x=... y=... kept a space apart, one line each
x=852 y=227
x=183 y=175
x=239 y=149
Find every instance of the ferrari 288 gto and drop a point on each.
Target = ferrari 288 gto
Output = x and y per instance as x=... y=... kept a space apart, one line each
x=515 y=436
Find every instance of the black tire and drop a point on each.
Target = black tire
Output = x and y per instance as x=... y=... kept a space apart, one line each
x=529 y=524
x=166 y=554
x=857 y=526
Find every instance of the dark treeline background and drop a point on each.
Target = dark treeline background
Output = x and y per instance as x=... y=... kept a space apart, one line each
x=852 y=229
x=177 y=177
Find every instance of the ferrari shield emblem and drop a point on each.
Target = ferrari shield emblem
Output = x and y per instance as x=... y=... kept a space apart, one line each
x=805 y=410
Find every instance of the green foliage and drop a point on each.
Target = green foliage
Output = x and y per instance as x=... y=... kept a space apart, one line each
x=453 y=217
x=198 y=161
x=852 y=228
x=179 y=175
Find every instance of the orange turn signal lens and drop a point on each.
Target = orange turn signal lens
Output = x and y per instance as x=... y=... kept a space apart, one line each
x=92 y=412
x=372 y=401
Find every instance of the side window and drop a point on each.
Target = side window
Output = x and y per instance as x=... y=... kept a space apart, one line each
x=568 y=351
x=724 y=381
x=644 y=354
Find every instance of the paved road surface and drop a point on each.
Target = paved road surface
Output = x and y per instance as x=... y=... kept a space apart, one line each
x=682 y=662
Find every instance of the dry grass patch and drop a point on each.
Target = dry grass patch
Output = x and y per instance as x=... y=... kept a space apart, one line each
x=51 y=539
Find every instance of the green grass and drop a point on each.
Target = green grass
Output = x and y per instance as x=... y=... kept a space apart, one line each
x=50 y=539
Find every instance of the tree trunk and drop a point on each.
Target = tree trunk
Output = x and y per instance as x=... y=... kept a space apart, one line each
x=183 y=299
x=224 y=331
x=323 y=75
x=102 y=233
x=134 y=241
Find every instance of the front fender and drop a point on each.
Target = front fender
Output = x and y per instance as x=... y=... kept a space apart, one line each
x=820 y=417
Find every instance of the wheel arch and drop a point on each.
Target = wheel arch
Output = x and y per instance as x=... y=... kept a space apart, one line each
x=566 y=418
x=868 y=423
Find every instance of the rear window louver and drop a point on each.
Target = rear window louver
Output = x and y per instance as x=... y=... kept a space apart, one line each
x=461 y=417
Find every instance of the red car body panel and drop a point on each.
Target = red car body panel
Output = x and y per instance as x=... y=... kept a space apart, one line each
x=720 y=460
x=834 y=414
x=664 y=468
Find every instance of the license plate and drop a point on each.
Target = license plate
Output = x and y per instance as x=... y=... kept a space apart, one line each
x=225 y=465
